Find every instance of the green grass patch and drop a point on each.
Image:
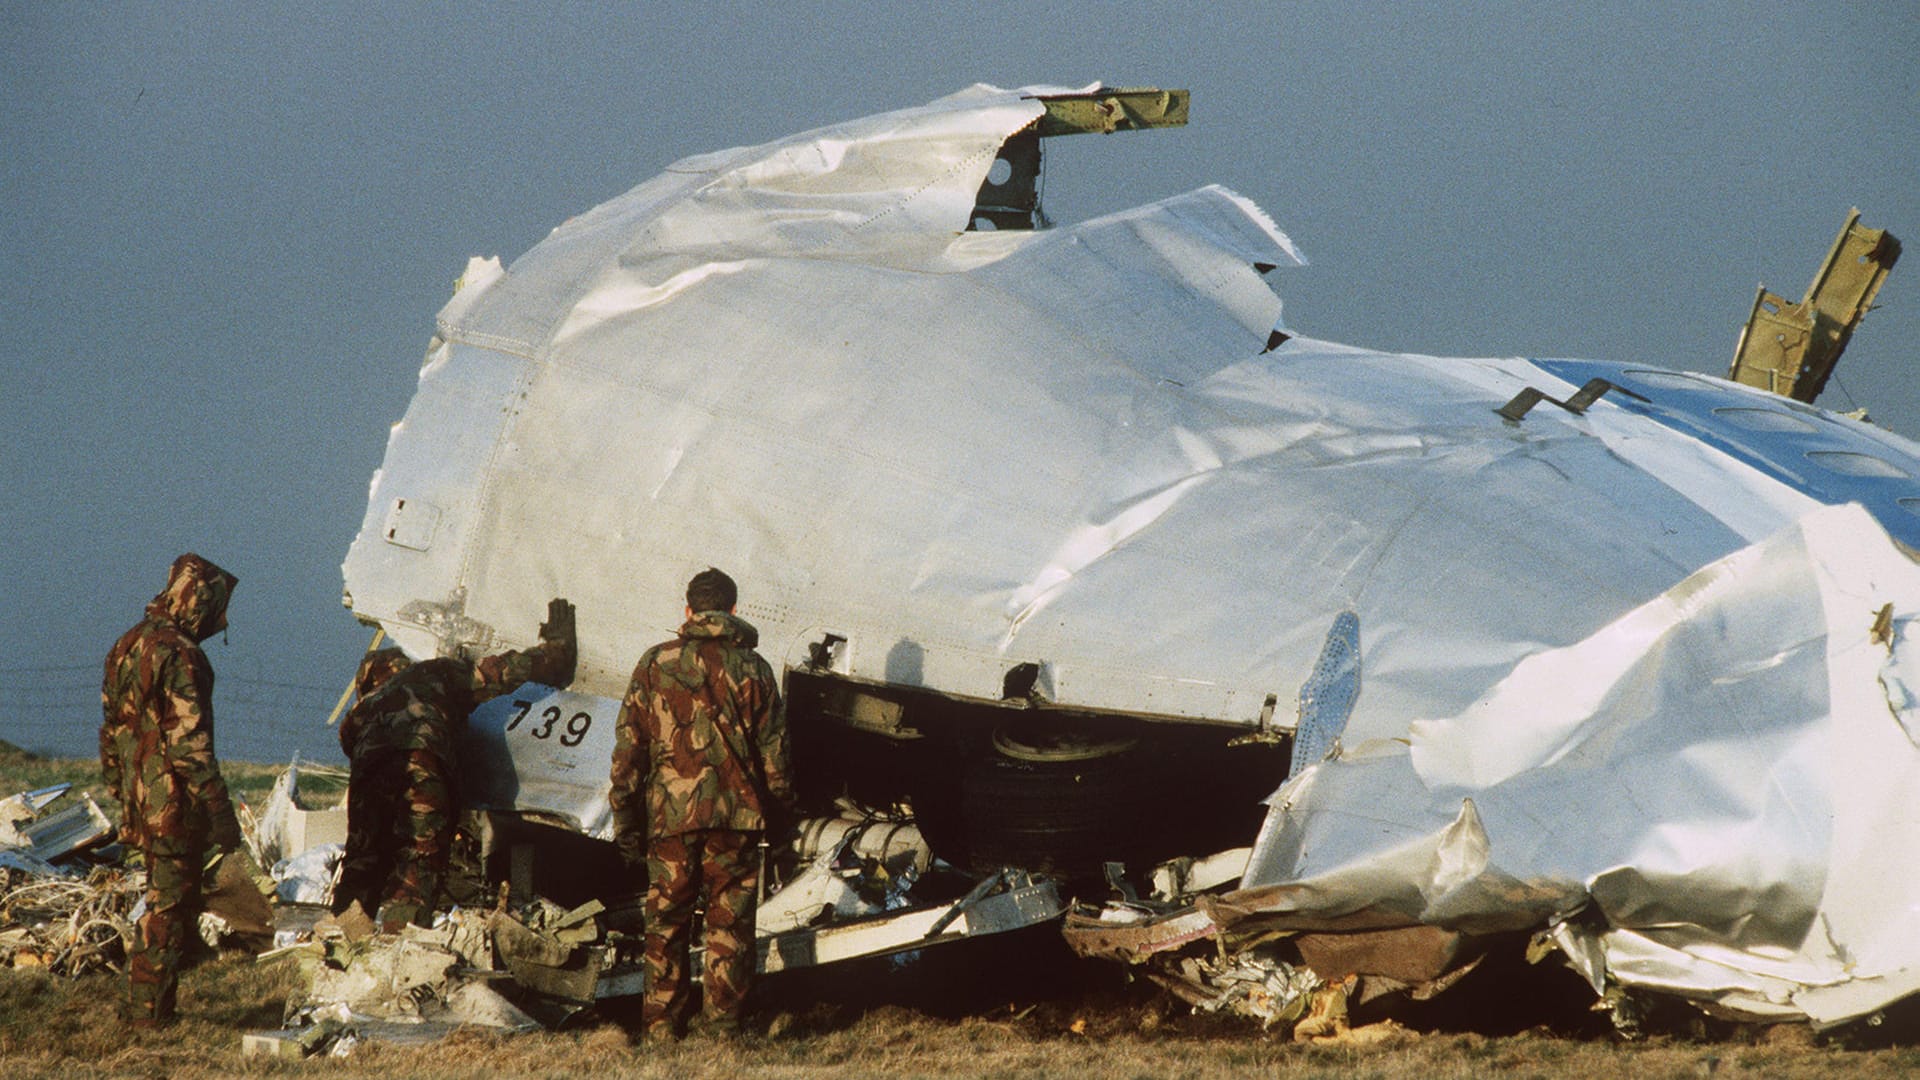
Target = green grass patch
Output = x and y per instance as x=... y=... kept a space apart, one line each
x=22 y=770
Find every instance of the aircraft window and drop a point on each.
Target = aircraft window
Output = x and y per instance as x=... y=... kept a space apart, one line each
x=1671 y=380
x=1763 y=420
x=1850 y=463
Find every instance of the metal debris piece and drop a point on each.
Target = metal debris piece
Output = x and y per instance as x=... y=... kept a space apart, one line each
x=295 y=822
x=1012 y=900
x=236 y=894
x=1132 y=935
x=1791 y=348
x=1259 y=987
x=857 y=867
x=1104 y=111
x=27 y=864
x=75 y=828
x=334 y=1030
x=26 y=830
x=308 y=878
x=21 y=809
x=1178 y=880
x=1577 y=403
x=293 y=1043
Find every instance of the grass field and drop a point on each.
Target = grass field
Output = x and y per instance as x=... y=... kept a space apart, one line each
x=1010 y=1007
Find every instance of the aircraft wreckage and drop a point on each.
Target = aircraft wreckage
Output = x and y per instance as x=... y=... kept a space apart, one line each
x=1066 y=544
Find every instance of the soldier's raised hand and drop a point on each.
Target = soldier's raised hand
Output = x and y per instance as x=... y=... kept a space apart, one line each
x=559 y=624
x=558 y=642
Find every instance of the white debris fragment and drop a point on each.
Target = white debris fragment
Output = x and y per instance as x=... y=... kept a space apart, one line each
x=307 y=878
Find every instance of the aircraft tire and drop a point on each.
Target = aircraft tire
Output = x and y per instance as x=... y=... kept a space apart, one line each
x=1065 y=817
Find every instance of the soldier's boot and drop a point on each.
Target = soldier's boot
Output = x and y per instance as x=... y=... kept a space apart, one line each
x=714 y=1026
x=658 y=1032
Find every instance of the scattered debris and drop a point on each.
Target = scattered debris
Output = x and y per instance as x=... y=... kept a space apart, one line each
x=496 y=969
x=28 y=834
x=307 y=878
x=70 y=925
x=1303 y=977
x=58 y=909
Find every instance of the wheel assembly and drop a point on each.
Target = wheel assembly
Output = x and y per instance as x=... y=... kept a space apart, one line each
x=1053 y=799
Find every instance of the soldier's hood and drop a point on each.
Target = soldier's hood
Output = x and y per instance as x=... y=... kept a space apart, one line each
x=721 y=624
x=377 y=667
x=195 y=598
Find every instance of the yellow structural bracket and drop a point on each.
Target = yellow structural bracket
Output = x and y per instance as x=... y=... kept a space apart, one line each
x=1791 y=348
x=1104 y=112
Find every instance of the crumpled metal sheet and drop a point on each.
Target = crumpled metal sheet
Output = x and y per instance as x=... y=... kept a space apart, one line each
x=961 y=451
x=1712 y=797
x=1079 y=448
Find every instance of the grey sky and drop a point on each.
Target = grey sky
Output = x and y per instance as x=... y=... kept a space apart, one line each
x=228 y=228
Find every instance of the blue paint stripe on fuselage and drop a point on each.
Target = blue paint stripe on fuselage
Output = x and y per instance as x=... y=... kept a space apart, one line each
x=1832 y=458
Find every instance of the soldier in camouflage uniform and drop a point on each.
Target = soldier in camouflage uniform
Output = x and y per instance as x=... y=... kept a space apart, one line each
x=156 y=757
x=700 y=764
x=400 y=738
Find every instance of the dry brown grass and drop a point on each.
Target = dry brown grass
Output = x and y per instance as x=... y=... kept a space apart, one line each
x=68 y=1028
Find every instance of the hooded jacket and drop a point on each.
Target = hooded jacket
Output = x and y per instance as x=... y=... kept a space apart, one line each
x=156 y=735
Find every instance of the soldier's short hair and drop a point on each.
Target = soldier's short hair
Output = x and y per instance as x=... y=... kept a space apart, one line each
x=711 y=590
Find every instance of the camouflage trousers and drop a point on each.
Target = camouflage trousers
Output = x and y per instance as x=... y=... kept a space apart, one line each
x=400 y=821
x=169 y=924
x=719 y=869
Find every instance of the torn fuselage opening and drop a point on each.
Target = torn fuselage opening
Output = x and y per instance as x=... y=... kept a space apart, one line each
x=1043 y=789
x=1009 y=197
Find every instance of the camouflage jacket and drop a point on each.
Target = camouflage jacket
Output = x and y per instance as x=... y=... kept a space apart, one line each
x=702 y=740
x=424 y=706
x=156 y=735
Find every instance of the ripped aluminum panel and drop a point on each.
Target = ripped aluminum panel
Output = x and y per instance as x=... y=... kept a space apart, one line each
x=1078 y=447
x=1712 y=797
x=1117 y=932
x=1012 y=901
x=543 y=752
x=1328 y=695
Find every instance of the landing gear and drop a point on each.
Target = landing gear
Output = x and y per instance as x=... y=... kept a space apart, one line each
x=1052 y=798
